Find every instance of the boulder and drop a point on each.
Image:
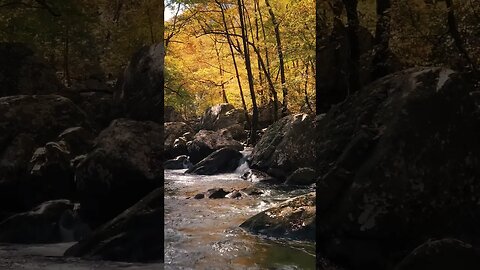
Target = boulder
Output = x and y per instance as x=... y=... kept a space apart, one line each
x=206 y=142
x=442 y=254
x=287 y=145
x=171 y=115
x=98 y=105
x=302 y=176
x=222 y=116
x=26 y=123
x=266 y=115
x=139 y=91
x=294 y=218
x=221 y=161
x=136 y=235
x=23 y=73
x=178 y=163
x=236 y=132
x=50 y=222
x=175 y=131
x=216 y=193
x=398 y=164
x=124 y=166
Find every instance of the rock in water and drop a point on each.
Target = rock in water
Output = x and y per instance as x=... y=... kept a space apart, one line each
x=444 y=254
x=43 y=224
x=136 y=235
x=287 y=145
x=221 y=161
x=294 y=218
x=206 y=142
x=398 y=163
x=125 y=165
x=178 y=163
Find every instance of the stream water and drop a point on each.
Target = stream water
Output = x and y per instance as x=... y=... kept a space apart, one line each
x=205 y=233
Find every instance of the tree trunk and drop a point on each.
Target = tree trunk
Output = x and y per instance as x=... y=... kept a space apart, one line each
x=353 y=24
x=232 y=53
x=66 y=59
x=382 y=40
x=307 y=100
x=222 y=77
x=280 y=58
x=248 y=67
x=457 y=39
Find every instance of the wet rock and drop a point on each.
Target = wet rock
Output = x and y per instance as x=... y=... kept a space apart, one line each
x=396 y=162
x=253 y=175
x=180 y=162
x=234 y=194
x=294 y=218
x=199 y=196
x=125 y=165
x=139 y=91
x=205 y=142
x=221 y=161
x=23 y=73
x=442 y=255
x=26 y=123
x=252 y=191
x=136 y=235
x=216 y=193
x=175 y=141
x=302 y=176
x=50 y=222
x=287 y=145
x=222 y=116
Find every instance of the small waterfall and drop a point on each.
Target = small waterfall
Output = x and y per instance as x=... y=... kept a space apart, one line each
x=243 y=164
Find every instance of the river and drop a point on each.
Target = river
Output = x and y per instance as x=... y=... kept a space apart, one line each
x=205 y=233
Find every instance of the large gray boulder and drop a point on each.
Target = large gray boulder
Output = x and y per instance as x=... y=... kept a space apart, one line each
x=398 y=164
x=224 y=160
x=136 y=235
x=222 y=116
x=124 y=166
x=26 y=123
x=139 y=91
x=175 y=141
x=206 y=142
x=287 y=145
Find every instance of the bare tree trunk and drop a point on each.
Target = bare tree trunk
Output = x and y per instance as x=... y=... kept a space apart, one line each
x=248 y=67
x=222 y=77
x=307 y=100
x=382 y=40
x=457 y=39
x=66 y=59
x=280 y=58
x=353 y=24
x=230 y=45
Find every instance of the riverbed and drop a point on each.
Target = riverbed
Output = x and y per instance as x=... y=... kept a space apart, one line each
x=205 y=233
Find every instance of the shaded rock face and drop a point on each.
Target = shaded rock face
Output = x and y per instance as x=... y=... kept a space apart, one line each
x=180 y=162
x=221 y=161
x=171 y=115
x=139 y=93
x=302 y=176
x=50 y=222
x=396 y=163
x=294 y=218
x=222 y=116
x=22 y=73
x=287 y=145
x=136 y=235
x=206 y=142
x=26 y=123
x=124 y=166
x=236 y=132
x=442 y=254
x=98 y=105
x=173 y=132
x=266 y=115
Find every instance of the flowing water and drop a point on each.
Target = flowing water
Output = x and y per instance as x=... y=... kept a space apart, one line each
x=205 y=233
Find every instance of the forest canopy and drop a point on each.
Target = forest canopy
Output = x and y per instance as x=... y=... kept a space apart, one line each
x=82 y=38
x=206 y=58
